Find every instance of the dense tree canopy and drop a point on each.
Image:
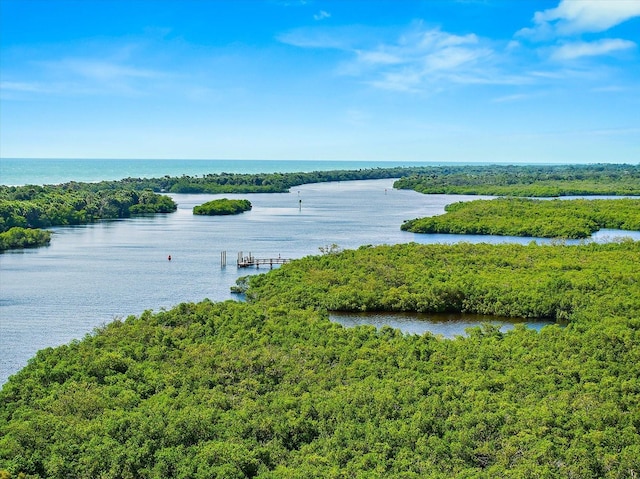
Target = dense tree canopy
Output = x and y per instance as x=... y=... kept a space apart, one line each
x=34 y=207
x=222 y=206
x=526 y=180
x=17 y=237
x=530 y=281
x=536 y=218
x=224 y=182
x=271 y=388
x=513 y=180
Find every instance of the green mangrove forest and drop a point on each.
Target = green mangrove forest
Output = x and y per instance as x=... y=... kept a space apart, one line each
x=271 y=388
x=25 y=210
x=526 y=180
x=217 y=183
x=33 y=207
x=536 y=218
x=519 y=180
x=223 y=206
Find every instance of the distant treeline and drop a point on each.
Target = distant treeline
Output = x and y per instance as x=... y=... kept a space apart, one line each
x=521 y=180
x=32 y=207
x=526 y=180
x=537 y=218
x=249 y=183
x=512 y=180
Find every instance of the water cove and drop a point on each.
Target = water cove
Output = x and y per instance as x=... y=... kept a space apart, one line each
x=446 y=325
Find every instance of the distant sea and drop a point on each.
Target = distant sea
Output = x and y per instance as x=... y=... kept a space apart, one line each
x=20 y=171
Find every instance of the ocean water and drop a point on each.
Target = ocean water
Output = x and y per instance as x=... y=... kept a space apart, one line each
x=92 y=274
x=15 y=172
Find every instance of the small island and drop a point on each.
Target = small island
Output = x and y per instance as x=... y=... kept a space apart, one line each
x=223 y=206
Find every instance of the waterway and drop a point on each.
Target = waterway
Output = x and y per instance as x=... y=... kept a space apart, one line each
x=94 y=273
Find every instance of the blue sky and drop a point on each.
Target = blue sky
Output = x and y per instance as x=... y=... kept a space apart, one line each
x=516 y=81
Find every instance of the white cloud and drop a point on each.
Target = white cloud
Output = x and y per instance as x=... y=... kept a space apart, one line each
x=101 y=70
x=30 y=87
x=18 y=90
x=573 y=50
x=418 y=59
x=421 y=58
x=451 y=58
x=378 y=58
x=513 y=45
x=511 y=98
x=405 y=81
x=572 y=17
x=88 y=76
x=321 y=15
x=339 y=38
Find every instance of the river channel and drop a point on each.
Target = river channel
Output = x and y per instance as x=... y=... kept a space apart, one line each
x=91 y=274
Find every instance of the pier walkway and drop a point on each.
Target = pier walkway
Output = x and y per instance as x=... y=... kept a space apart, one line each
x=248 y=261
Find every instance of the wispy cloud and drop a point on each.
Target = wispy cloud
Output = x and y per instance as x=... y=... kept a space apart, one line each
x=100 y=70
x=556 y=38
x=321 y=15
x=511 y=98
x=16 y=90
x=30 y=87
x=573 y=17
x=338 y=38
x=416 y=59
x=94 y=69
x=605 y=46
x=93 y=76
x=423 y=57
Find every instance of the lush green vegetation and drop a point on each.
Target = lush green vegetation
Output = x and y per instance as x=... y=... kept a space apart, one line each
x=246 y=183
x=271 y=388
x=34 y=207
x=17 y=237
x=533 y=181
x=77 y=203
x=531 y=281
x=522 y=180
x=537 y=218
x=223 y=206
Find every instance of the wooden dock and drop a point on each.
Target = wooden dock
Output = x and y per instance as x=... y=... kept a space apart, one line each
x=248 y=261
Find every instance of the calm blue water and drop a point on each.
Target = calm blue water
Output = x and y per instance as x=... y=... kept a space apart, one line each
x=92 y=274
x=444 y=325
x=16 y=172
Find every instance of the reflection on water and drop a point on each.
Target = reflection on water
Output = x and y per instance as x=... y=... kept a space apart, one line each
x=448 y=325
